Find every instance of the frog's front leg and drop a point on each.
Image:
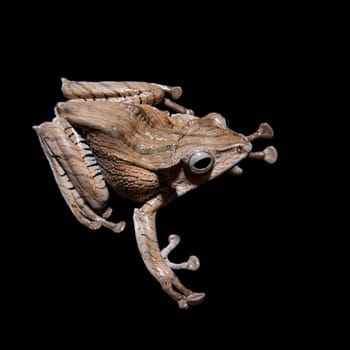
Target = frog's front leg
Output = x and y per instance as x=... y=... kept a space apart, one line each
x=77 y=174
x=155 y=260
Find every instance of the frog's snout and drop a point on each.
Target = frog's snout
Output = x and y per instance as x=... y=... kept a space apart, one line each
x=269 y=154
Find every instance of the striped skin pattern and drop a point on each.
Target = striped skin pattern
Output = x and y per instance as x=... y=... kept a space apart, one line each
x=132 y=137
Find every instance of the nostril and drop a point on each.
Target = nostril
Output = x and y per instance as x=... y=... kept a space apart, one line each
x=242 y=148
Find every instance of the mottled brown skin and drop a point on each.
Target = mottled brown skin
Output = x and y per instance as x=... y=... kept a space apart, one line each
x=112 y=133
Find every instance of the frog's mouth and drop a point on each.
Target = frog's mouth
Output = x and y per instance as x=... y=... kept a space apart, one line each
x=269 y=154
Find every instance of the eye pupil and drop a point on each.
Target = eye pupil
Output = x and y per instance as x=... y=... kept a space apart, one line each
x=203 y=163
x=200 y=162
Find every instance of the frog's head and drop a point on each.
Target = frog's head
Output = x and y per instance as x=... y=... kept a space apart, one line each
x=209 y=148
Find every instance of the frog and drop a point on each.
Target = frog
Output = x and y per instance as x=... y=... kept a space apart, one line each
x=133 y=139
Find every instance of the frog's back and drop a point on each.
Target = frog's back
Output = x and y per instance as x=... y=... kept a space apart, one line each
x=132 y=143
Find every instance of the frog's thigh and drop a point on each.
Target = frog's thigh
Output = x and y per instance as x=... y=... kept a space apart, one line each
x=76 y=173
x=116 y=91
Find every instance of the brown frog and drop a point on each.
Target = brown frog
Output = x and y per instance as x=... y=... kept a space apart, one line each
x=111 y=135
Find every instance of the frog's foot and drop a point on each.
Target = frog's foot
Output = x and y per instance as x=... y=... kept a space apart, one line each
x=191 y=264
x=170 y=283
x=191 y=299
x=184 y=296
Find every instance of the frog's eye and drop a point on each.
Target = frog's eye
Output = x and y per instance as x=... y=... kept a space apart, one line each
x=200 y=162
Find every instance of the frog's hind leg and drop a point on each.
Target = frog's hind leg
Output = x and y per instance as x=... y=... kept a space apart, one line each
x=77 y=174
x=133 y=92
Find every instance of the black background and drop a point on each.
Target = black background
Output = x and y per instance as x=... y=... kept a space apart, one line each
x=245 y=230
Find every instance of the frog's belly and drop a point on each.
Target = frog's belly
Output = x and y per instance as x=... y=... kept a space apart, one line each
x=130 y=181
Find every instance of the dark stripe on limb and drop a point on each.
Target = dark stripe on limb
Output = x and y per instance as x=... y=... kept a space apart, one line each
x=97 y=174
x=88 y=155
x=148 y=238
x=84 y=88
x=79 y=142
